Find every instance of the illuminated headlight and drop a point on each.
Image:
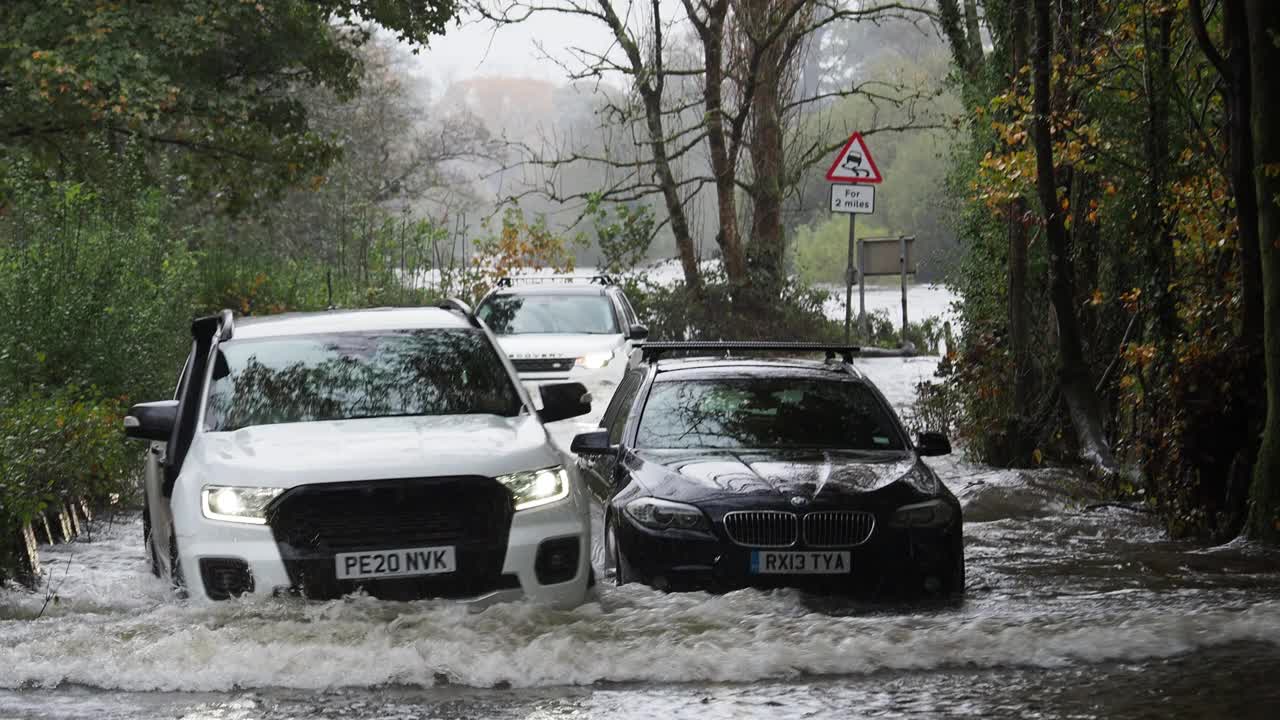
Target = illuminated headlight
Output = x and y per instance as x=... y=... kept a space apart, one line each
x=922 y=481
x=594 y=360
x=533 y=488
x=237 y=504
x=934 y=513
x=666 y=515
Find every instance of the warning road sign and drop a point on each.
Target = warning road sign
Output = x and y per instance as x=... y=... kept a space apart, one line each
x=854 y=163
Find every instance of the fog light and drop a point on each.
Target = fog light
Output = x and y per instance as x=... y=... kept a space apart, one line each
x=557 y=560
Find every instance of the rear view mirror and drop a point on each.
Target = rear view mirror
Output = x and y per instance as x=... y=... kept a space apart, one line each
x=637 y=332
x=929 y=444
x=592 y=443
x=561 y=401
x=151 y=420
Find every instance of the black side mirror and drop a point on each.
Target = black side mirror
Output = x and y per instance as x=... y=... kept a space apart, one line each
x=592 y=443
x=637 y=332
x=561 y=401
x=929 y=444
x=151 y=420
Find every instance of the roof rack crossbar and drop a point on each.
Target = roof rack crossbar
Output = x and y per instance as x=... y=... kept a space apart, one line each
x=596 y=279
x=455 y=305
x=654 y=350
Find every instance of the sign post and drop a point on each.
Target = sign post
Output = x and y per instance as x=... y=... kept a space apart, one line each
x=853 y=175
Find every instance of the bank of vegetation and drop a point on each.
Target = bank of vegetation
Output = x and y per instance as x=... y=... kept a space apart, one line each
x=1120 y=279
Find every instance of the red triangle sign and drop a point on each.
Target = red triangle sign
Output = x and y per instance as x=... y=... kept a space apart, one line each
x=854 y=163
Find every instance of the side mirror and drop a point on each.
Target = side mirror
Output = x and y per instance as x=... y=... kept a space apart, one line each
x=637 y=332
x=152 y=420
x=592 y=443
x=929 y=444
x=561 y=401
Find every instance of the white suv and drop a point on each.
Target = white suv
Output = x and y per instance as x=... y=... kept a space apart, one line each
x=391 y=451
x=563 y=327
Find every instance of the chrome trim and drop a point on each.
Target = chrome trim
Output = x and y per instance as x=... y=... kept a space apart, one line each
x=855 y=526
x=758 y=517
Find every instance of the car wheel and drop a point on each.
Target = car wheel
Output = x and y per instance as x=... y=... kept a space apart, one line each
x=621 y=571
x=147 y=540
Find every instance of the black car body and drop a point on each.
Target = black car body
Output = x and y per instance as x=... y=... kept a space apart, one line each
x=719 y=473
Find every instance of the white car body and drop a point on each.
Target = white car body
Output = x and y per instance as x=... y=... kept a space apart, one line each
x=596 y=359
x=344 y=454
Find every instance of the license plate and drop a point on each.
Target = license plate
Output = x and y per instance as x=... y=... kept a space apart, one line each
x=808 y=562
x=396 y=563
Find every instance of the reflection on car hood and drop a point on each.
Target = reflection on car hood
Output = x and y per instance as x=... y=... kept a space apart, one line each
x=703 y=474
x=292 y=454
x=556 y=346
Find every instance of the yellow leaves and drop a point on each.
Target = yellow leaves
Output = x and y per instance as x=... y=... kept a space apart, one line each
x=1066 y=204
x=1037 y=457
x=38 y=54
x=1140 y=356
x=1131 y=299
x=1097 y=298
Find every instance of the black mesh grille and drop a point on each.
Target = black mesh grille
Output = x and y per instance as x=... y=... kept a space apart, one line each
x=761 y=528
x=225 y=578
x=542 y=364
x=312 y=523
x=838 y=528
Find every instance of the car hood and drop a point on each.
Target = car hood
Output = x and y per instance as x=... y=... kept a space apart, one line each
x=702 y=475
x=556 y=346
x=292 y=454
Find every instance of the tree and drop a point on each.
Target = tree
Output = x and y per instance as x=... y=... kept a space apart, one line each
x=208 y=84
x=1264 y=35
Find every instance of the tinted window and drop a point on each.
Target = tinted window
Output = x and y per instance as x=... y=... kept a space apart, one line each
x=766 y=413
x=615 y=418
x=357 y=375
x=574 y=314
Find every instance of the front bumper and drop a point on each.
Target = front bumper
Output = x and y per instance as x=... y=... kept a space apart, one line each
x=259 y=560
x=608 y=375
x=894 y=561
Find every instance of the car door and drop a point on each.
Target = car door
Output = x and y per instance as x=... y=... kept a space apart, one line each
x=599 y=470
x=159 y=516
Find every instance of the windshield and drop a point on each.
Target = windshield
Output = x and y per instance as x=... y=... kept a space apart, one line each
x=344 y=376
x=766 y=413
x=544 y=314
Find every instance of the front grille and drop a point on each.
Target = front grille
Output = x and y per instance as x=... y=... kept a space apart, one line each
x=761 y=528
x=537 y=365
x=838 y=528
x=312 y=523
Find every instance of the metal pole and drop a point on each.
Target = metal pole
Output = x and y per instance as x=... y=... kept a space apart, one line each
x=862 y=293
x=848 y=284
x=902 y=263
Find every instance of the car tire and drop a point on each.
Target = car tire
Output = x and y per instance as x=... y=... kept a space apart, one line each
x=621 y=570
x=147 y=540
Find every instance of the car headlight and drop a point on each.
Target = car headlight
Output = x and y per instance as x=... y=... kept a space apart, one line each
x=666 y=515
x=922 y=481
x=237 y=504
x=594 y=360
x=532 y=488
x=934 y=513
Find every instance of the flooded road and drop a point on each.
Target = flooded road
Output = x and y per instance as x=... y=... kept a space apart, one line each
x=1071 y=613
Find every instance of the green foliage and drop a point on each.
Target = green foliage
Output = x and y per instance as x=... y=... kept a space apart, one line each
x=624 y=238
x=211 y=83
x=821 y=250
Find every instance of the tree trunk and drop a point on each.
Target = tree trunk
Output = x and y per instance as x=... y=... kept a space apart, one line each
x=1076 y=381
x=1156 y=145
x=723 y=167
x=1020 y=440
x=1240 y=136
x=765 y=253
x=1264 y=34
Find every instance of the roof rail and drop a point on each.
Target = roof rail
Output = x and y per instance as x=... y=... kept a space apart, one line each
x=654 y=350
x=455 y=305
x=597 y=279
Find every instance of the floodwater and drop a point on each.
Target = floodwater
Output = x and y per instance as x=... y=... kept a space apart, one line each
x=1071 y=612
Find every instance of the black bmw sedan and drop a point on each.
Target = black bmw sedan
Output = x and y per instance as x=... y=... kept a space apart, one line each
x=720 y=472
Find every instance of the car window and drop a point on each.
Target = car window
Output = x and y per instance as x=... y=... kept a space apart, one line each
x=615 y=417
x=342 y=376
x=628 y=311
x=766 y=413
x=546 y=314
